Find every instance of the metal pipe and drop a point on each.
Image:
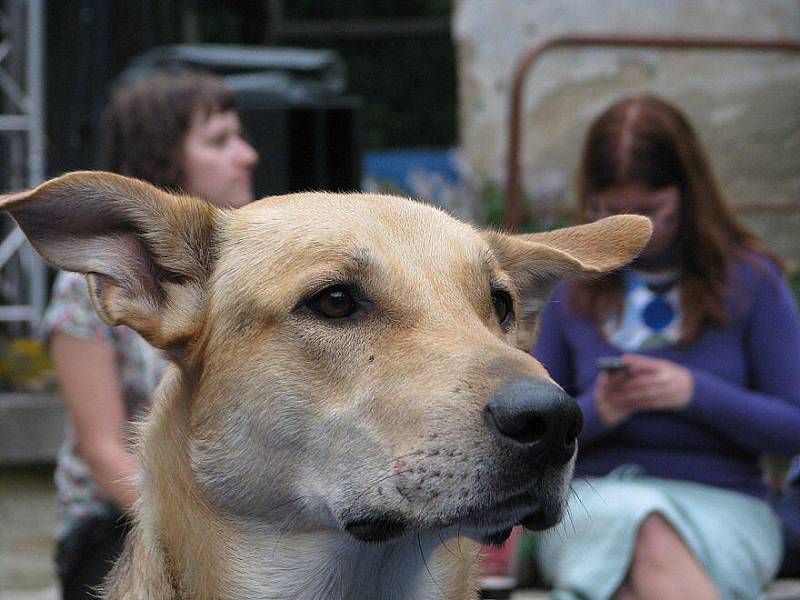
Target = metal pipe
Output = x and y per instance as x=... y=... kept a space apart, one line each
x=35 y=88
x=514 y=211
x=36 y=41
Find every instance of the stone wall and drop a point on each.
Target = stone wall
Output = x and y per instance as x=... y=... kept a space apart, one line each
x=745 y=105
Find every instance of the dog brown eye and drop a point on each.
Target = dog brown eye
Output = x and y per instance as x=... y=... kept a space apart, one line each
x=503 y=307
x=334 y=303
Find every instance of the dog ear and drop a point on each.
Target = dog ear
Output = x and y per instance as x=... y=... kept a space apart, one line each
x=146 y=253
x=537 y=261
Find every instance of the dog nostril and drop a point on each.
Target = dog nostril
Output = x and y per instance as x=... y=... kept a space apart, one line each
x=531 y=430
x=526 y=429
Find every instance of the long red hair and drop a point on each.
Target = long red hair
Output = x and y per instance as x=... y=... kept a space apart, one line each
x=645 y=140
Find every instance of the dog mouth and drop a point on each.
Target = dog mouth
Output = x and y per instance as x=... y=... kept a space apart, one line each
x=484 y=506
x=493 y=525
x=490 y=525
x=538 y=520
x=377 y=529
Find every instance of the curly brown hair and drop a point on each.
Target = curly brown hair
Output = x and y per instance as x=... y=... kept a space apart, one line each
x=146 y=122
x=647 y=141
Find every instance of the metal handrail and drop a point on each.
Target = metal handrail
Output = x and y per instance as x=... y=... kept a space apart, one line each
x=514 y=211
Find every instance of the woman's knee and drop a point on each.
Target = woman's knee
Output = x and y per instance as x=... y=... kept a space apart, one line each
x=657 y=541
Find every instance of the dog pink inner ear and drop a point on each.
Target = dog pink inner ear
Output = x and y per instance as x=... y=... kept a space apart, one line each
x=134 y=238
x=82 y=224
x=121 y=257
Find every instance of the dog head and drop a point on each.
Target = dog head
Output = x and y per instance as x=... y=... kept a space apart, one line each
x=354 y=362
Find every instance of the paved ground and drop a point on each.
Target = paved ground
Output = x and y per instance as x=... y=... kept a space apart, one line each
x=27 y=523
x=28 y=520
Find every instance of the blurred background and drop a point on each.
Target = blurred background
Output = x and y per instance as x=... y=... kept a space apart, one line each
x=407 y=97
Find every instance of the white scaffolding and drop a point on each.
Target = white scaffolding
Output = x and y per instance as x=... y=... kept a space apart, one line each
x=23 y=276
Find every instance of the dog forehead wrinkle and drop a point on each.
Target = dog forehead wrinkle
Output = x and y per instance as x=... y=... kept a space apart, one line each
x=304 y=230
x=399 y=283
x=255 y=255
x=439 y=268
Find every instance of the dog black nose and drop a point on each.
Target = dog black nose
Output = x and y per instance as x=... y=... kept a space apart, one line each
x=537 y=414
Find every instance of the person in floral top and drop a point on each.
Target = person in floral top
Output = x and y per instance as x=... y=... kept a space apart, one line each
x=177 y=132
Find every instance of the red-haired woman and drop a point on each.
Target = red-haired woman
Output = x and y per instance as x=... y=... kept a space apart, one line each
x=669 y=500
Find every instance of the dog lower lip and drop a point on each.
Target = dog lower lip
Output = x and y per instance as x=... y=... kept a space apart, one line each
x=376 y=530
x=499 y=518
x=497 y=538
x=541 y=520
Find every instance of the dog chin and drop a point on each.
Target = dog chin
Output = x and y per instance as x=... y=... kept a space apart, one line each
x=495 y=539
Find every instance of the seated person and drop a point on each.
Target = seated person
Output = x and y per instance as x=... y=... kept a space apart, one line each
x=669 y=500
x=178 y=132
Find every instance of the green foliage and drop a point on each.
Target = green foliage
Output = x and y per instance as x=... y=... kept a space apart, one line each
x=794 y=282
x=493 y=202
x=24 y=365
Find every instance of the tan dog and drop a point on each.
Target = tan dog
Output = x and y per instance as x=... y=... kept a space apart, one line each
x=351 y=388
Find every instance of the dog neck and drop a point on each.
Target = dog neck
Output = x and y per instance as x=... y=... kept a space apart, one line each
x=323 y=564
x=181 y=541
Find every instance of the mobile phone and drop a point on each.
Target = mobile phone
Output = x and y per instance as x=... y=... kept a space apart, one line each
x=611 y=364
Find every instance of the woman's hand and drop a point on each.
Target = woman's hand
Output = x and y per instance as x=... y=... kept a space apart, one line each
x=647 y=384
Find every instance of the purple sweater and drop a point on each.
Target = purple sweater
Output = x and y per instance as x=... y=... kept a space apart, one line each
x=746 y=397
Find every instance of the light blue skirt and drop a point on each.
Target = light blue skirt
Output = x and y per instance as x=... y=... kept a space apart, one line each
x=737 y=538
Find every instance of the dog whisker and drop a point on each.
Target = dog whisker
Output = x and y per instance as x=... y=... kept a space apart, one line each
x=386 y=560
x=368 y=488
x=444 y=543
x=578 y=498
x=559 y=531
x=285 y=528
x=284 y=504
x=587 y=480
x=425 y=562
x=571 y=520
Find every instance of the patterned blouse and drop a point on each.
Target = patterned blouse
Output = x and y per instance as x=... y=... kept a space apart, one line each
x=140 y=368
